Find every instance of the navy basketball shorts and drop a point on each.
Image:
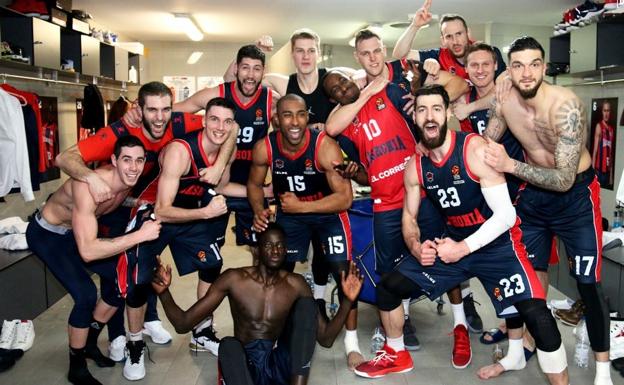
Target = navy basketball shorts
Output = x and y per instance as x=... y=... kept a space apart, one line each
x=268 y=365
x=502 y=267
x=332 y=230
x=574 y=216
x=390 y=247
x=243 y=215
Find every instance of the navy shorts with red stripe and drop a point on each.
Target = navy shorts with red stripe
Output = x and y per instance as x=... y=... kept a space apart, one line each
x=573 y=216
x=243 y=215
x=333 y=230
x=502 y=267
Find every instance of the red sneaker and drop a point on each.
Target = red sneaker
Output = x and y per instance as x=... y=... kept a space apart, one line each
x=386 y=361
x=462 y=353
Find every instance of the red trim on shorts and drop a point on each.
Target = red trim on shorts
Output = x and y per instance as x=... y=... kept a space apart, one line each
x=554 y=252
x=346 y=226
x=122 y=274
x=515 y=235
x=300 y=152
x=470 y=174
x=250 y=103
x=448 y=154
x=594 y=196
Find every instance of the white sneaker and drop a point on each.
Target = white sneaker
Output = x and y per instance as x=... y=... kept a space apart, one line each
x=116 y=349
x=158 y=333
x=205 y=341
x=9 y=331
x=561 y=304
x=134 y=367
x=24 y=336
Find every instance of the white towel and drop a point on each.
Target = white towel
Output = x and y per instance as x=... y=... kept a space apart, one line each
x=13 y=225
x=14 y=242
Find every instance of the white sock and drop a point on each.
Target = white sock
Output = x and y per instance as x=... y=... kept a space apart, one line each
x=603 y=373
x=514 y=360
x=459 y=317
x=406 y=303
x=466 y=291
x=207 y=322
x=396 y=344
x=319 y=291
x=351 y=341
x=135 y=336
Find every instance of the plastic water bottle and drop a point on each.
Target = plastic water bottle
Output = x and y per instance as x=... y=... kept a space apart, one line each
x=581 y=351
x=378 y=340
x=497 y=354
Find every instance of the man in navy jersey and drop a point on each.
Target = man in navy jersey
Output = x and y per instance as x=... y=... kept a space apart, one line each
x=255 y=105
x=312 y=196
x=482 y=241
x=194 y=222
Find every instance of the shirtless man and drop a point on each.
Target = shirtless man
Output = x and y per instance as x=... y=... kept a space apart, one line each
x=268 y=304
x=64 y=237
x=562 y=196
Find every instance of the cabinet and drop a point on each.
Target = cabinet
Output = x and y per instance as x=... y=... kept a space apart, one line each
x=83 y=50
x=596 y=47
x=121 y=64
x=37 y=39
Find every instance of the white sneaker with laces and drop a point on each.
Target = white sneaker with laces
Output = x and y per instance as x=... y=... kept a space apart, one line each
x=24 y=335
x=116 y=349
x=561 y=304
x=157 y=332
x=134 y=367
x=205 y=340
x=9 y=331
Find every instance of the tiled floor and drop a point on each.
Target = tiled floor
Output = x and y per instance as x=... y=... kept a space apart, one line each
x=47 y=361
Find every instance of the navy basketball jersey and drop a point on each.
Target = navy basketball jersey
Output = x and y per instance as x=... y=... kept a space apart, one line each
x=396 y=74
x=298 y=173
x=453 y=189
x=319 y=105
x=193 y=193
x=253 y=119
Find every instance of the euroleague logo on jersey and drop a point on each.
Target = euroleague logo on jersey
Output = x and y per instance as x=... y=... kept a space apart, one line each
x=379 y=103
x=259 y=117
x=279 y=163
x=455 y=172
x=308 y=166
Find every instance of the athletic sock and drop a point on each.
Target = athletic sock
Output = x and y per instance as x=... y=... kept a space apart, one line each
x=603 y=373
x=135 y=336
x=95 y=328
x=459 y=316
x=319 y=291
x=514 y=360
x=396 y=344
x=351 y=341
x=406 y=303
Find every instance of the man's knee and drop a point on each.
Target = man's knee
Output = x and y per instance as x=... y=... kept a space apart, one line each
x=138 y=296
x=391 y=289
x=540 y=323
x=230 y=348
x=82 y=313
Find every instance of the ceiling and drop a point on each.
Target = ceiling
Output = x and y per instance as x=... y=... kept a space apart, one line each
x=335 y=21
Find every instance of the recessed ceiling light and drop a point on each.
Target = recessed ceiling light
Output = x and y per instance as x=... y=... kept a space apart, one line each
x=194 y=57
x=188 y=26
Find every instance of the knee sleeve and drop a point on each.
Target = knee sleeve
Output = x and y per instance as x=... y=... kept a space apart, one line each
x=391 y=290
x=109 y=293
x=115 y=324
x=596 y=315
x=320 y=270
x=209 y=275
x=540 y=324
x=302 y=328
x=82 y=312
x=138 y=297
x=336 y=268
x=514 y=322
x=233 y=363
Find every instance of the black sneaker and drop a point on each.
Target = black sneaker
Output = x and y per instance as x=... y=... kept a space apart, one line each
x=475 y=324
x=94 y=353
x=409 y=336
x=205 y=341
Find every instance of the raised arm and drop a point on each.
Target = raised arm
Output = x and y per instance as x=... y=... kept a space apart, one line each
x=85 y=228
x=402 y=48
x=197 y=101
x=255 y=194
x=454 y=85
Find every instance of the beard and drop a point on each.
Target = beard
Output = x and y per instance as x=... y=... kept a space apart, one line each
x=433 y=143
x=148 y=126
x=530 y=93
x=239 y=85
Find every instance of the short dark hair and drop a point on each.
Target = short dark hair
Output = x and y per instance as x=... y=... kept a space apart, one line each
x=524 y=43
x=272 y=226
x=481 y=46
x=251 y=51
x=288 y=97
x=365 y=34
x=153 y=89
x=452 y=17
x=432 y=89
x=220 y=102
x=127 y=141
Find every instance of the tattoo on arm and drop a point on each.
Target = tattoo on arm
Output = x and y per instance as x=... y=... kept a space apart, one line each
x=496 y=123
x=570 y=128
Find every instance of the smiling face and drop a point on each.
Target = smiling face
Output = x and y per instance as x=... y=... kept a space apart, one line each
x=430 y=119
x=218 y=123
x=293 y=119
x=249 y=74
x=371 y=54
x=129 y=164
x=481 y=67
x=156 y=115
x=527 y=71
x=340 y=88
